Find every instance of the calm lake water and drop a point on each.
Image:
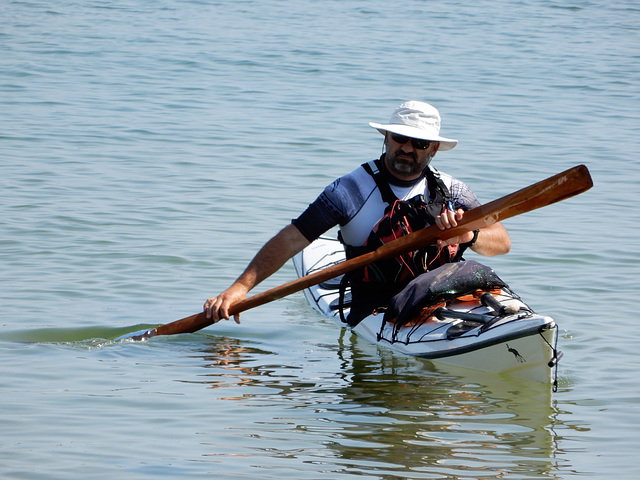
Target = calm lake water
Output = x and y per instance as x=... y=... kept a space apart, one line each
x=148 y=149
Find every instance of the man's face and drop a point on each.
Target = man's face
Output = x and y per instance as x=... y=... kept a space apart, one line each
x=404 y=160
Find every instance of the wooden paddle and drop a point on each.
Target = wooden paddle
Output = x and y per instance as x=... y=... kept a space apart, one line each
x=554 y=189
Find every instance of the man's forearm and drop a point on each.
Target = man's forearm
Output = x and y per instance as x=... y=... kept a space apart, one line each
x=492 y=240
x=272 y=256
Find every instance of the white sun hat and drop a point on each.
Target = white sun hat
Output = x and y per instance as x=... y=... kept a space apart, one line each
x=416 y=120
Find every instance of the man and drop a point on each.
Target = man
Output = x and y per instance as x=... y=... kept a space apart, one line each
x=358 y=201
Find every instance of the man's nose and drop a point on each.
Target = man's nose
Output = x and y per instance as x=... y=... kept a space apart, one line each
x=407 y=147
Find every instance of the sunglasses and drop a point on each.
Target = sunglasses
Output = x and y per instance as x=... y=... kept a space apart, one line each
x=416 y=142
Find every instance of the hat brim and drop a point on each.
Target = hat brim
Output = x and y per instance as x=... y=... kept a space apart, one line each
x=413 y=132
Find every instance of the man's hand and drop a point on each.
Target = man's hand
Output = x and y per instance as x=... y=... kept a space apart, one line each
x=217 y=308
x=491 y=240
x=449 y=219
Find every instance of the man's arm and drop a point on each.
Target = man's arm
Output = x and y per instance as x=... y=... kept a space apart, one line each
x=271 y=257
x=492 y=240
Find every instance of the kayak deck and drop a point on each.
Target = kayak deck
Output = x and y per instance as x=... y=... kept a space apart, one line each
x=464 y=334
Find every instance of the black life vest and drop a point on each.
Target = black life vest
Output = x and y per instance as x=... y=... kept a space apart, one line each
x=380 y=280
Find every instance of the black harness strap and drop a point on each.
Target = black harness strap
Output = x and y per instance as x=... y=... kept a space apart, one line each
x=439 y=195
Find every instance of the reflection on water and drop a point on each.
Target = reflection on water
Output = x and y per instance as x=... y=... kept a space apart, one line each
x=230 y=355
x=371 y=411
x=350 y=408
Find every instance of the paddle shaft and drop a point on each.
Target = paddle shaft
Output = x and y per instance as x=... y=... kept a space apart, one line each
x=546 y=192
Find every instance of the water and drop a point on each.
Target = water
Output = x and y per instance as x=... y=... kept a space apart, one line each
x=147 y=150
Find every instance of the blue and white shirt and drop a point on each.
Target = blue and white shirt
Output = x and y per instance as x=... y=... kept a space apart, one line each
x=354 y=202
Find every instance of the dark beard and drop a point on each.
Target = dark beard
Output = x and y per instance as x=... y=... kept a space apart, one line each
x=400 y=165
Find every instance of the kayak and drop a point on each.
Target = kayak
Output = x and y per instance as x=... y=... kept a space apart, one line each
x=492 y=331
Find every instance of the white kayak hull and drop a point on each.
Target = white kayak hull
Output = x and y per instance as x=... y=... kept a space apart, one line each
x=521 y=343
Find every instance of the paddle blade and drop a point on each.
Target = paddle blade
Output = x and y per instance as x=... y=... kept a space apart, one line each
x=139 y=336
x=567 y=184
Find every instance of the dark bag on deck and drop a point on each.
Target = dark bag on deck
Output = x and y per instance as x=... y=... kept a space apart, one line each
x=436 y=286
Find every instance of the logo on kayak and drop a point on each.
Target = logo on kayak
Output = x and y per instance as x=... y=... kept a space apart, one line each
x=516 y=354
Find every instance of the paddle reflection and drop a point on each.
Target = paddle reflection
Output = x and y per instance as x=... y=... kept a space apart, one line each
x=228 y=358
